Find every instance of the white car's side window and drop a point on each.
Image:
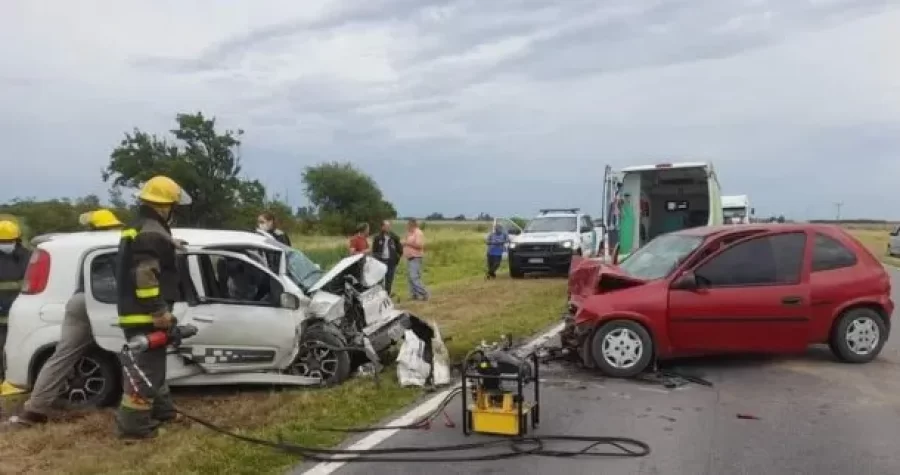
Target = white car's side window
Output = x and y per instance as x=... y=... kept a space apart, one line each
x=102 y=283
x=226 y=278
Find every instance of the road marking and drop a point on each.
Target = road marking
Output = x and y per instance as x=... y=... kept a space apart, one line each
x=375 y=438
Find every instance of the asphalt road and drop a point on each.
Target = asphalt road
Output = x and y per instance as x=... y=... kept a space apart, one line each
x=815 y=416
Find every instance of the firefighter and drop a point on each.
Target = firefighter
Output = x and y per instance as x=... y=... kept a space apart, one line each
x=13 y=261
x=76 y=338
x=147 y=282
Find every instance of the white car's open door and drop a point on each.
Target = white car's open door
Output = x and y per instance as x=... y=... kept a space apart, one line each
x=238 y=333
x=100 y=296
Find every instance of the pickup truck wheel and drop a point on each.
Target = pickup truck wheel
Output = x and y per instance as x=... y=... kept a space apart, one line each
x=622 y=348
x=515 y=272
x=94 y=382
x=859 y=335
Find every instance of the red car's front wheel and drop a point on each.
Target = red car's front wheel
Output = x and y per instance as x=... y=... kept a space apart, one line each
x=622 y=348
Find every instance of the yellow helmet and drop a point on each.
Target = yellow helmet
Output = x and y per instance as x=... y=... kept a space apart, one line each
x=162 y=190
x=9 y=230
x=99 y=219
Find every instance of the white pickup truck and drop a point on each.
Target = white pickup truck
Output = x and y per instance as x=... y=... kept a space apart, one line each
x=549 y=241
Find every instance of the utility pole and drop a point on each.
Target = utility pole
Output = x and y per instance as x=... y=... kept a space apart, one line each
x=837 y=208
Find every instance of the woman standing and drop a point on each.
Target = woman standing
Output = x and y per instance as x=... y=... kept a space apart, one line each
x=265 y=224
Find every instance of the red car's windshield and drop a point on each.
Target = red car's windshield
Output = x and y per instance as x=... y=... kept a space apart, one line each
x=660 y=256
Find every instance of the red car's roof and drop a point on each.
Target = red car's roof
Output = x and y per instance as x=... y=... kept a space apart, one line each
x=705 y=231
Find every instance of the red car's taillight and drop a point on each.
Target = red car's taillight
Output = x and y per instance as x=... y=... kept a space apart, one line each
x=38 y=273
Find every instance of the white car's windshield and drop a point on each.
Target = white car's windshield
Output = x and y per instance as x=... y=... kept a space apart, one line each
x=303 y=271
x=660 y=256
x=555 y=224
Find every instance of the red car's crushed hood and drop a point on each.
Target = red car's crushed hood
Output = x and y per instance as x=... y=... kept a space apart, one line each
x=591 y=276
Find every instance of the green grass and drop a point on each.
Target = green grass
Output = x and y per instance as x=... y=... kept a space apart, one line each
x=466 y=307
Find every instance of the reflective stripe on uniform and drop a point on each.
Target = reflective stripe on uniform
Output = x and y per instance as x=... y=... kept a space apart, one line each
x=129 y=233
x=136 y=319
x=147 y=293
x=10 y=284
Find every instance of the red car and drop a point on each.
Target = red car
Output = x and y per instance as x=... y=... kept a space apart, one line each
x=730 y=289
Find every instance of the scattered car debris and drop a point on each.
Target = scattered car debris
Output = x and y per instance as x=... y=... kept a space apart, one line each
x=748 y=416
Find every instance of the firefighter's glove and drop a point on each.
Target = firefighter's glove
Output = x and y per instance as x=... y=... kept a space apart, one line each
x=164 y=321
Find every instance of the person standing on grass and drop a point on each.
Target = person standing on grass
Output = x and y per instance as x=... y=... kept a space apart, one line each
x=359 y=242
x=266 y=225
x=414 y=251
x=75 y=339
x=387 y=249
x=496 y=244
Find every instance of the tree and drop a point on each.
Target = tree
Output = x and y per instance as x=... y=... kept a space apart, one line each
x=343 y=196
x=204 y=162
x=459 y=217
x=56 y=215
x=435 y=217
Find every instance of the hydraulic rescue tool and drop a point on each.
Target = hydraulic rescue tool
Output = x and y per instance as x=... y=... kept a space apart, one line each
x=493 y=391
x=141 y=343
x=158 y=339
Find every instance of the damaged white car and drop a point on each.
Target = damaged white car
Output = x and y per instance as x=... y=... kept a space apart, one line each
x=266 y=313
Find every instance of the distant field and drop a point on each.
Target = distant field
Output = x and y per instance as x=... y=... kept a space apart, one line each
x=876 y=240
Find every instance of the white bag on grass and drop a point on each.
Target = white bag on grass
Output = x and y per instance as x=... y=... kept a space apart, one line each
x=412 y=369
x=441 y=358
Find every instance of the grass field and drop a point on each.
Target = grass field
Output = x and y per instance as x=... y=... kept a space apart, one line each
x=876 y=240
x=466 y=307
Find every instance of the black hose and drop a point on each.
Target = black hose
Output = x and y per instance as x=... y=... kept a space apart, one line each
x=515 y=447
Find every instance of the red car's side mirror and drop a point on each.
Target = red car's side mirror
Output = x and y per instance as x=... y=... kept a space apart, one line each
x=686 y=281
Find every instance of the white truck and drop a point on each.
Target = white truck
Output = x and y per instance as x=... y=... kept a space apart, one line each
x=549 y=241
x=736 y=209
x=642 y=202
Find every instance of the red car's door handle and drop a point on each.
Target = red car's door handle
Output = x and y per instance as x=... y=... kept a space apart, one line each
x=791 y=300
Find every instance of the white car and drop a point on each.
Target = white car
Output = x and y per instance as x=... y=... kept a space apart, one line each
x=549 y=241
x=893 y=247
x=257 y=304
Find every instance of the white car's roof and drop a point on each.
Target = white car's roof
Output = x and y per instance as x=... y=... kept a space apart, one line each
x=557 y=215
x=193 y=236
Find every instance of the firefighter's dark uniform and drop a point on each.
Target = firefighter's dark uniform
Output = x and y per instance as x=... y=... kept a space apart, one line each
x=147 y=287
x=12 y=271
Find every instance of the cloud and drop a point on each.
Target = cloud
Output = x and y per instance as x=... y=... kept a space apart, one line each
x=519 y=103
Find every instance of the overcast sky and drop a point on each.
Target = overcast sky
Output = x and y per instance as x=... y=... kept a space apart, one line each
x=500 y=106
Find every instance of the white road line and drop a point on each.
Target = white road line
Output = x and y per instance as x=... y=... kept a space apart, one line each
x=414 y=414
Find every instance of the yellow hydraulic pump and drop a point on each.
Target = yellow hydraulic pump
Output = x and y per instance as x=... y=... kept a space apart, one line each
x=493 y=392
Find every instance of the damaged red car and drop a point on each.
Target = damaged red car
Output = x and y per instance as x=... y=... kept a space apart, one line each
x=775 y=288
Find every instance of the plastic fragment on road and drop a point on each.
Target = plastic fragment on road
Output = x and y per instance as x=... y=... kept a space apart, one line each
x=440 y=374
x=412 y=369
x=416 y=364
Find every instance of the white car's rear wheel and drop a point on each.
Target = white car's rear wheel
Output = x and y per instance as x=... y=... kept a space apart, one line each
x=93 y=382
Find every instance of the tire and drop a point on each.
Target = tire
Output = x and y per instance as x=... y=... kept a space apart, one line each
x=334 y=366
x=515 y=272
x=621 y=337
x=95 y=381
x=870 y=335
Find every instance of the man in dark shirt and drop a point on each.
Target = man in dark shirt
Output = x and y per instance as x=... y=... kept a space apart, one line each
x=387 y=249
